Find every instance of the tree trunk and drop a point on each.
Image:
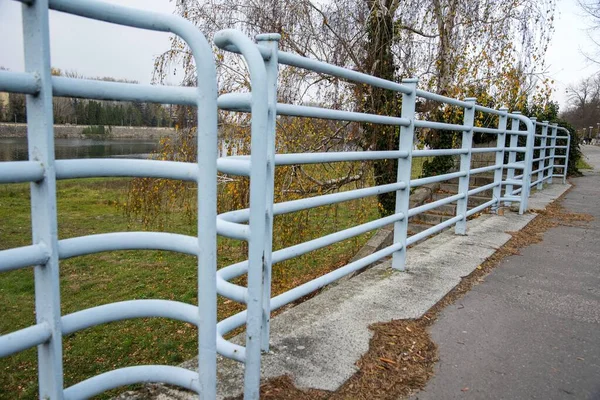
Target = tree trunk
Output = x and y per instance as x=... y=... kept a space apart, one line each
x=380 y=62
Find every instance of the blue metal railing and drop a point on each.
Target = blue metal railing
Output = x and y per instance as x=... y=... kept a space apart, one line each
x=42 y=171
x=255 y=224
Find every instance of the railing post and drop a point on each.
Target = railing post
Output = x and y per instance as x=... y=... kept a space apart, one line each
x=257 y=259
x=512 y=158
x=40 y=138
x=406 y=143
x=532 y=178
x=271 y=41
x=465 y=167
x=528 y=167
x=542 y=163
x=564 y=180
x=500 y=144
x=553 y=130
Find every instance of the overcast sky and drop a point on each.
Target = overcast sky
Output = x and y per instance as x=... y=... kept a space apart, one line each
x=97 y=49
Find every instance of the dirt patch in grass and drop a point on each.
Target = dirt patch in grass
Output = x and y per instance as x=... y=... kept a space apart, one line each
x=401 y=354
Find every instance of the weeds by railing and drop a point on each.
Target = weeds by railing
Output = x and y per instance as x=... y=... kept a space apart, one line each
x=534 y=158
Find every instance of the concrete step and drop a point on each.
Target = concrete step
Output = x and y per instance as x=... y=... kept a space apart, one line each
x=414 y=228
x=447 y=209
x=474 y=201
x=453 y=188
x=432 y=218
x=476 y=180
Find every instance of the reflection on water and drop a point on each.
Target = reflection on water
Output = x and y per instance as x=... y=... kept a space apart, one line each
x=15 y=149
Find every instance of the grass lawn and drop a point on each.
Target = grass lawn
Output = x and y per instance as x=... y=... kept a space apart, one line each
x=582 y=164
x=90 y=206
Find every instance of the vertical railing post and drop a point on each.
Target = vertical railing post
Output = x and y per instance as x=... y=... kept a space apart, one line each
x=257 y=261
x=271 y=41
x=564 y=180
x=40 y=139
x=406 y=143
x=465 y=167
x=206 y=186
x=528 y=165
x=553 y=129
x=531 y=177
x=500 y=144
x=512 y=158
x=542 y=155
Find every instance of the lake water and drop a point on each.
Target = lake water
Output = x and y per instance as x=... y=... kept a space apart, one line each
x=15 y=149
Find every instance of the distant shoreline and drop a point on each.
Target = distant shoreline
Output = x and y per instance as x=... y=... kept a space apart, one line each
x=19 y=130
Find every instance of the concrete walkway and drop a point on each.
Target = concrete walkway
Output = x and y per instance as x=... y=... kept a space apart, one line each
x=532 y=329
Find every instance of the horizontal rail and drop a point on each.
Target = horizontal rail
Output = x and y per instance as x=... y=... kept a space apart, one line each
x=435 y=204
x=542 y=169
x=440 y=125
x=231 y=290
x=433 y=230
x=511 y=198
x=515 y=132
x=439 y=152
x=241 y=102
x=19 y=82
x=514 y=182
x=240 y=165
x=103 y=90
x=339 y=115
x=24 y=339
x=482 y=207
x=311 y=245
x=515 y=165
x=128 y=310
x=434 y=179
x=176 y=376
x=324 y=68
x=21 y=257
x=317 y=201
x=234 y=165
x=21 y=171
x=483 y=188
x=122 y=167
x=314 y=158
x=232 y=230
x=481 y=129
x=481 y=170
x=442 y=99
x=83 y=245
x=476 y=150
x=479 y=107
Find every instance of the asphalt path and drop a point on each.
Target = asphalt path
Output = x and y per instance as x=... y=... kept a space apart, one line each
x=531 y=330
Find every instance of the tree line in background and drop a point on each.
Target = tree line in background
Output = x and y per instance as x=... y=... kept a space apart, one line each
x=583 y=111
x=93 y=112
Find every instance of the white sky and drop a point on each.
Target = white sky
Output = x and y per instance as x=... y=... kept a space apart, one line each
x=95 y=48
